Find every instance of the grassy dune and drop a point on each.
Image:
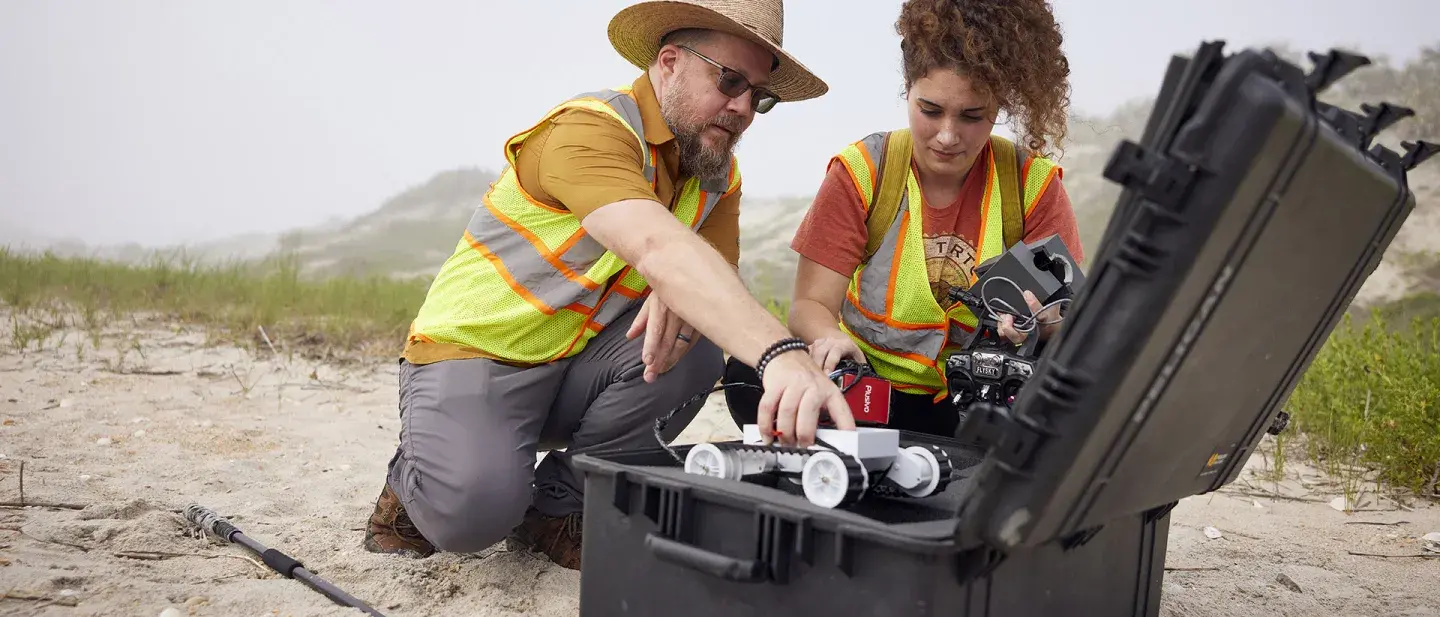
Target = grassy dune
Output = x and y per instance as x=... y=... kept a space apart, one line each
x=242 y=303
x=1369 y=406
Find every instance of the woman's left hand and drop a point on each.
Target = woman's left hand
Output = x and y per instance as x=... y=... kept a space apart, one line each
x=828 y=351
x=1051 y=314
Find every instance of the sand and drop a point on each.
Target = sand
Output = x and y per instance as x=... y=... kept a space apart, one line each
x=293 y=451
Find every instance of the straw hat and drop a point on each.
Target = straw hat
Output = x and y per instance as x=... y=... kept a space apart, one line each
x=636 y=32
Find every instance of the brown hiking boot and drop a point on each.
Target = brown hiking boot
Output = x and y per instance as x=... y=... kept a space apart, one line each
x=391 y=530
x=557 y=537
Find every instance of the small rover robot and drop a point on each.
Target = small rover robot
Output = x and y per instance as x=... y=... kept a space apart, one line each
x=840 y=469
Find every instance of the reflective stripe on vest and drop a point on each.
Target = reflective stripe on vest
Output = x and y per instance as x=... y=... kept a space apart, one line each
x=526 y=283
x=890 y=311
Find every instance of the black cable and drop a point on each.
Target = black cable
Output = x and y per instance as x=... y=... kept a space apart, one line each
x=661 y=423
x=1024 y=322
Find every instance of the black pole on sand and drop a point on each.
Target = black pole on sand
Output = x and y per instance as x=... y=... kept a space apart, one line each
x=286 y=565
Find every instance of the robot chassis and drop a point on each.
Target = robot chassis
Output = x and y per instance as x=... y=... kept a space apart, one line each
x=842 y=468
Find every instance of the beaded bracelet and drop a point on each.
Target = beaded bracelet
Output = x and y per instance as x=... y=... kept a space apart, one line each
x=775 y=349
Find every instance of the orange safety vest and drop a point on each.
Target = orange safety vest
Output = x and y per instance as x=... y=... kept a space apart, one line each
x=526 y=283
x=889 y=309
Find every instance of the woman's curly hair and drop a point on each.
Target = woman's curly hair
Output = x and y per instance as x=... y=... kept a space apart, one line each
x=1010 y=48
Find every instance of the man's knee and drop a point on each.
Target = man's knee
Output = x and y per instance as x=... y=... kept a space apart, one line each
x=702 y=366
x=473 y=516
x=687 y=384
x=467 y=460
x=694 y=376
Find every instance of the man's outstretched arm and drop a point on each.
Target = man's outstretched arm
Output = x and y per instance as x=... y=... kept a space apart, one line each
x=696 y=282
x=590 y=164
x=688 y=274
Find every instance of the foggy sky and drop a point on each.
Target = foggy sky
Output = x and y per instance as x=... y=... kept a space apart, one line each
x=186 y=120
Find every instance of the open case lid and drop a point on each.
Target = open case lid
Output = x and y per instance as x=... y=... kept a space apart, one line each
x=1251 y=217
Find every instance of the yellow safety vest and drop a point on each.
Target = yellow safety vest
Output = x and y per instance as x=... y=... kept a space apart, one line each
x=889 y=309
x=526 y=283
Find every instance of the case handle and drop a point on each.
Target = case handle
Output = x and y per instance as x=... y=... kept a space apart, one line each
x=707 y=562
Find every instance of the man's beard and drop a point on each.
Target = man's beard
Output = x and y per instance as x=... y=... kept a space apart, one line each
x=696 y=158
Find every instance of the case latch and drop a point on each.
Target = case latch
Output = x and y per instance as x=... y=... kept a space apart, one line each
x=1010 y=441
x=1159 y=179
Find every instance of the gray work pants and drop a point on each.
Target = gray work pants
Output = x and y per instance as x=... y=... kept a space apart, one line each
x=470 y=430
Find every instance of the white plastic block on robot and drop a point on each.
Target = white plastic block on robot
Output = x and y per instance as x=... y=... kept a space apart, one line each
x=840 y=469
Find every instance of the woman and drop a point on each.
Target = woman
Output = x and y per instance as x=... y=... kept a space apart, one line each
x=967 y=63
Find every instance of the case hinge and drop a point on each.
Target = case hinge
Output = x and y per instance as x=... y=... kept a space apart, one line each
x=1010 y=441
x=1159 y=179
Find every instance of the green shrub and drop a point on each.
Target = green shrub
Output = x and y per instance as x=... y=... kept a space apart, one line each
x=1372 y=398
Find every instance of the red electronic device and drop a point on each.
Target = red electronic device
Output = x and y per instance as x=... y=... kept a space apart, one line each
x=869 y=398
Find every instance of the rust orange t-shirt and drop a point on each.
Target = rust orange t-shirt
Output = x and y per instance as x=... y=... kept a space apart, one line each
x=833 y=232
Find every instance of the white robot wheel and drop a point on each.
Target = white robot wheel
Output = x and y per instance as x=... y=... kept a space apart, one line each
x=706 y=459
x=831 y=480
x=934 y=474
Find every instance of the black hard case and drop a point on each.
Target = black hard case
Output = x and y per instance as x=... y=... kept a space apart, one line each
x=662 y=542
x=1247 y=226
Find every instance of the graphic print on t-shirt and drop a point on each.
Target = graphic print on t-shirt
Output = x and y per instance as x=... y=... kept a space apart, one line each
x=949 y=260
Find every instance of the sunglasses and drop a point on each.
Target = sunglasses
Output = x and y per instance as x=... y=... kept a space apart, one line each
x=732 y=84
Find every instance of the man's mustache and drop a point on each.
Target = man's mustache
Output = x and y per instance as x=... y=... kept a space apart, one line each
x=729 y=122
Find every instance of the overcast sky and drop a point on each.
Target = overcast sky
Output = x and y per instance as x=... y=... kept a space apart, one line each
x=184 y=120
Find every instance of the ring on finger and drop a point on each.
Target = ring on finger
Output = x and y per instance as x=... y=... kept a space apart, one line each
x=683 y=336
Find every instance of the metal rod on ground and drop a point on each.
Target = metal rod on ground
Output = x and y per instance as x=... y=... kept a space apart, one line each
x=280 y=562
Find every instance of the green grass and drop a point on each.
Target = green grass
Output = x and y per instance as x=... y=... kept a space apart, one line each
x=780 y=308
x=1371 y=400
x=46 y=293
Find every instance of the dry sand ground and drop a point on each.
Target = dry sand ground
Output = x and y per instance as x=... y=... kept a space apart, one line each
x=294 y=452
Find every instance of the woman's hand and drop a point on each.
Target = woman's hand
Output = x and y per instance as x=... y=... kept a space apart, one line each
x=815 y=314
x=1043 y=322
x=829 y=350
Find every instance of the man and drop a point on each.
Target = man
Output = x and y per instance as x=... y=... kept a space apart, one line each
x=593 y=291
